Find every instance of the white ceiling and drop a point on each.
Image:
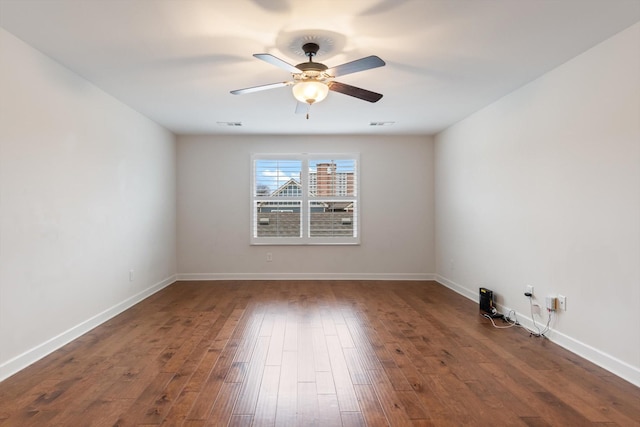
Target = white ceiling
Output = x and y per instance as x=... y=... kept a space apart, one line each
x=175 y=61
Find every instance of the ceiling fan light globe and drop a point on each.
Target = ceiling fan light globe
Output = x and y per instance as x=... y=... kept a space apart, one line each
x=310 y=92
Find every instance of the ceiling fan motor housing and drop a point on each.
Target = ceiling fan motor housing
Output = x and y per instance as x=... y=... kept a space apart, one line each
x=311 y=69
x=306 y=67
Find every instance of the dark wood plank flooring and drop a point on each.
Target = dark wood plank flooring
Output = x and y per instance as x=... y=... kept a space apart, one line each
x=312 y=353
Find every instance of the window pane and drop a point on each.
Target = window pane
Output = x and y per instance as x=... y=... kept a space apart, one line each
x=332 y=219
x=330 y=178
x=278 y=178
x=278 y=219
x=305 y=199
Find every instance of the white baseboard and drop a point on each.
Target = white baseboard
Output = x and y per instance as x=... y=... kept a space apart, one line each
x=471 y=294
x=592 y=354
x=612 y=364
x=25 y=359
x=305 y=276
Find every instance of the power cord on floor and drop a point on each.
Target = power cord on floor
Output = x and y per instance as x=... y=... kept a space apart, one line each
x=513 y=321
x=540 y=333
x=506 y=319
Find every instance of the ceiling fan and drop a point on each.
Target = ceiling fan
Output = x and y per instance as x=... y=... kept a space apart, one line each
x=312 y=81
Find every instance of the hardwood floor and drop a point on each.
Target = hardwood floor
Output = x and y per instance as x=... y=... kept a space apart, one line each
x=312 y=353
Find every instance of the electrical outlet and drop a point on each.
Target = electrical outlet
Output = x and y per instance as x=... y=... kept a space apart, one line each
x=552 y=303
x=131 y=275
x=528 y=290
x=269 y=257
x=562 y=302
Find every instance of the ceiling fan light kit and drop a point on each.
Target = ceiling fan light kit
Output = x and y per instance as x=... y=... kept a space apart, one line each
x=310 y=92
x=310 y=85
x=312 y=81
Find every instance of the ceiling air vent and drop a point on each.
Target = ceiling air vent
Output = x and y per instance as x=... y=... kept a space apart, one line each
x=230 y=124
x=382 y=123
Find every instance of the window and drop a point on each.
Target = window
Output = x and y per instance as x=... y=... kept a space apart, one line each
x=304 y=199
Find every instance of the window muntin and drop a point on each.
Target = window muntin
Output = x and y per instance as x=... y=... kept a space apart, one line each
x=304 y=199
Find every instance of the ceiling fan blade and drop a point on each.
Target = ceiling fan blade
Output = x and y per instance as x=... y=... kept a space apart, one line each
x=259 y=88
x=356 y=92
x=355 y=66
x=267 y=57
x=302 y=108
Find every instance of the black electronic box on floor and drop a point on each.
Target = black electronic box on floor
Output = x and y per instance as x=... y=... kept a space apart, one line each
x=486 y=302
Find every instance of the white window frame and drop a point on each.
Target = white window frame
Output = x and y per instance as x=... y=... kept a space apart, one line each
x=305 y=200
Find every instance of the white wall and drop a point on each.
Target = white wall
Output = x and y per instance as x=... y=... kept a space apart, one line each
x=543 y=188
x=396 y=199
x=87 y=193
